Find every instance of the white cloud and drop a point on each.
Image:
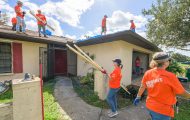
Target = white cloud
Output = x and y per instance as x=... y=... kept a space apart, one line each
x=120 y=21
x=74 y=37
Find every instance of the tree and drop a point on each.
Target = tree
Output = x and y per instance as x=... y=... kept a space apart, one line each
x=180 y=58
x=169 y=23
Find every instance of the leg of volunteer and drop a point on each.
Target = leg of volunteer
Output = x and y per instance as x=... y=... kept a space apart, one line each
x=44 y=30
x=19 y=22
x=39 y=30
x=110 y=99
x=23 y=26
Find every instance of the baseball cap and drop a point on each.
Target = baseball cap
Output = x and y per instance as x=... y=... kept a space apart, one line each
x=161 y=57
x=118 y=61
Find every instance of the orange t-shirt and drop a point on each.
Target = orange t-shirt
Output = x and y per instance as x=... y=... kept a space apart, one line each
x=42 y=17
x=115 y=78
x=19 y=13
x=104 y=22
x=162 y=86
x=133 y=26
x=14 y=20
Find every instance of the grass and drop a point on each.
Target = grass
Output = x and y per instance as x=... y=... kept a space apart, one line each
x=6 y=97
x=184 y=110
x=86 y=92
x=51 y=107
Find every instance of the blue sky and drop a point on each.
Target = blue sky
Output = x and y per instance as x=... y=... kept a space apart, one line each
x=77 y=18
x=89 y=20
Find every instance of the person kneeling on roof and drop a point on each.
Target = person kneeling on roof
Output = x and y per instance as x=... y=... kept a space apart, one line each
x=41 y=24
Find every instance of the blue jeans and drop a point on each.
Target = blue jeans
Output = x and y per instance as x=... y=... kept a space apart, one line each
x=158 y=116
x=112 y=99
x=20 y=22
x=133 y=30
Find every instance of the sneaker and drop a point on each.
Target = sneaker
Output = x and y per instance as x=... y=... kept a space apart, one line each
x=113 y=114
x=109 y=111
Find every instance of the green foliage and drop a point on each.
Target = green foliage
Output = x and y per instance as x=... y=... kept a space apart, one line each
x=169 y=23
x=176 y=68
x=6 y=97
x=86 y=92
x=51 y=108
x=180 y=58
x=88 y=79
x=184 y=110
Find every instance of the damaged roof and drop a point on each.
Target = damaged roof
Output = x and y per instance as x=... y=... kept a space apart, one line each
x=32 y=36
x=126 y=35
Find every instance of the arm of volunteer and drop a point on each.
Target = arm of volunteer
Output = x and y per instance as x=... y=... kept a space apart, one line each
x=141 y=90
x=178 y=88
x=185 y=95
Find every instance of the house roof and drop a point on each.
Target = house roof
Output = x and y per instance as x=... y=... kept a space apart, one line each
x=126 y=35
x=7 y=33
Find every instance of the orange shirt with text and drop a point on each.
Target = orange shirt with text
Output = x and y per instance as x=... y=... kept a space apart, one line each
x=162 y=87
x=115 y=78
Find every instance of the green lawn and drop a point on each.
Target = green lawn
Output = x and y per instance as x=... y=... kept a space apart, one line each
x=51 y=107
x=86 y=92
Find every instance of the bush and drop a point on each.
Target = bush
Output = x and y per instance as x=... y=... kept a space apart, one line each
x=176 y=68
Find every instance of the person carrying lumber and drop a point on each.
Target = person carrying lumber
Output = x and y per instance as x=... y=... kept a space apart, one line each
x=41 y=24
x=132 y=27
x=162 y=87
x=114 y=86
x=104 y=29
x=20 y=17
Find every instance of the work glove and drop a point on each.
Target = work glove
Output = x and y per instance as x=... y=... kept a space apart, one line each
x=104 y=72
x=136 y=101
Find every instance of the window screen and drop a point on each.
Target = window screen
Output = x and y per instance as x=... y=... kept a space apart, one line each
x=5 y=58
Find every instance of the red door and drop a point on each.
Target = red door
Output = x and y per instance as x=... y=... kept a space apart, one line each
x=60 y=62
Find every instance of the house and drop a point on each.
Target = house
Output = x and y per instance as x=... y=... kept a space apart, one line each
x=21 y=54
x=125 y=45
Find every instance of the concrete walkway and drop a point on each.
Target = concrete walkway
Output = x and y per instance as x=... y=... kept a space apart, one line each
x=77 y=109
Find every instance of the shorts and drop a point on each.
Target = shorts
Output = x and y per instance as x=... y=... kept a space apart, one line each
x=104 y=29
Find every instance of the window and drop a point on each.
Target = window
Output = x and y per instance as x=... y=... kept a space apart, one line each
x=5 y=58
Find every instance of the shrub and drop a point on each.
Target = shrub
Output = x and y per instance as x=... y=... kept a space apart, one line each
x=176 y=68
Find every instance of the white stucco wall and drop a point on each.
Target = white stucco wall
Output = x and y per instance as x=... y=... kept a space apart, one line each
x=106 y=52
x=30 y=52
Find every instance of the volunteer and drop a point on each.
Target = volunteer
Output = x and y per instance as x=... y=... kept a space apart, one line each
x=132 y=27
x=41 y=24
x=104 y=28
x=114 y=86
x=162 y=87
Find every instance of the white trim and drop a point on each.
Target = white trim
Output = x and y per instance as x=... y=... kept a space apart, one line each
x=6 y=40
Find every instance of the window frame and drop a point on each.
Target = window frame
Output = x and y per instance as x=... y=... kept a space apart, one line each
x=9 y=73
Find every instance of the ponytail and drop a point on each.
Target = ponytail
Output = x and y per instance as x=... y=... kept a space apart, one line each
x=121 y=66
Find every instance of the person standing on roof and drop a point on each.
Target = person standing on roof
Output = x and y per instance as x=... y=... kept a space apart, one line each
x=14 y=21
x=132 y=27
x=114 y=86
x=162 y=87
x=41 y=24
x=104 y=29
x=20 y=17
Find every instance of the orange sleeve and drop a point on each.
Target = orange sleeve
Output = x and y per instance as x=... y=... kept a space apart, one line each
x=176 y=85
